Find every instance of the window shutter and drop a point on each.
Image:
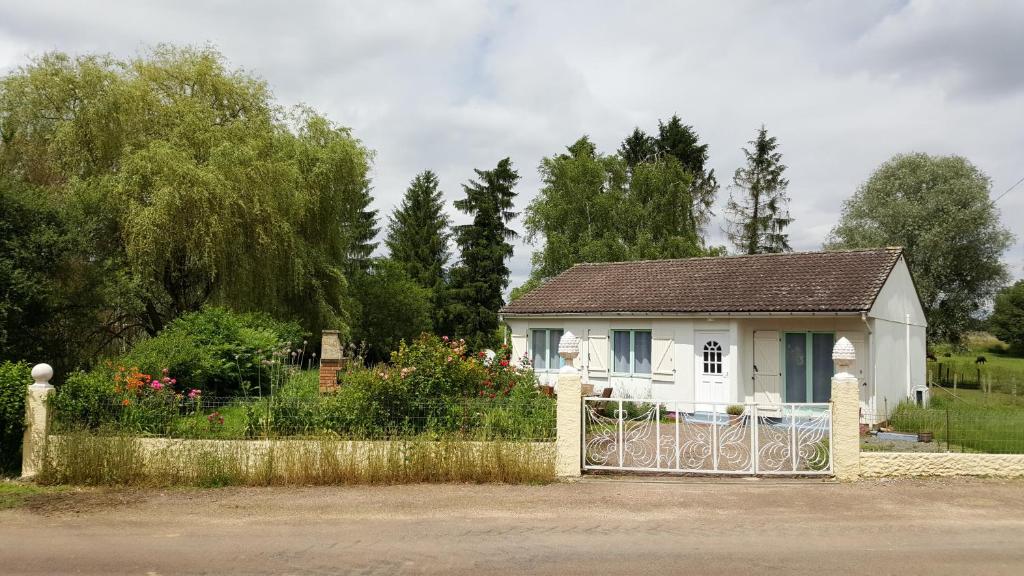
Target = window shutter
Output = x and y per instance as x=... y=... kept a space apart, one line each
x=768 y=377
x=597 y=354
x=518 y=346
x=664 y=361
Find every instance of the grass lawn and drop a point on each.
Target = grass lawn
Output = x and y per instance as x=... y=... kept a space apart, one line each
x=1006 y=372
x=15 y=494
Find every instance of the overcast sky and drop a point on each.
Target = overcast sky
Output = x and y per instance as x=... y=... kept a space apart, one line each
x=453 y=85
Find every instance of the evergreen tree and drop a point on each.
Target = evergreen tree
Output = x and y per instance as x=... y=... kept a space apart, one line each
x=758 y=219
x=485 y=244
x=360 y=229
x=418 y=236
x=682 y=142
x=638 y=147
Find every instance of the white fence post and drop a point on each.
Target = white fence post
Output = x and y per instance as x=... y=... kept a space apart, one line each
x=845 y=415
x=569 y=412
x=37 y=421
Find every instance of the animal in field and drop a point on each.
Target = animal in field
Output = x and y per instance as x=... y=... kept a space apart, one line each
x=931 y=356
x=980 y=360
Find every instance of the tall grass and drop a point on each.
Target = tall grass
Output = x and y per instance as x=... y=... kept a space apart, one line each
x=961 y=426
x=91 y=459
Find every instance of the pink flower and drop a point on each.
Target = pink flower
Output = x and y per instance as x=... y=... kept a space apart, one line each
x=193 y=394
x=449 y=358
x=444 y=338
x=156 y=385
x=174 y=381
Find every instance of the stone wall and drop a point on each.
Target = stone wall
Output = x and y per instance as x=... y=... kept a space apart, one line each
x=906 y=464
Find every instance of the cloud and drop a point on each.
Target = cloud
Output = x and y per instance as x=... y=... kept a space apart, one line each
x=453 y=86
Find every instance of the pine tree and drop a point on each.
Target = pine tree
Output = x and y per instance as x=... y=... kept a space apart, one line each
x=638 y=147
x=418 y=236
x=360 y=229
x=682 y=141
x=482 y=275
x=757 y=221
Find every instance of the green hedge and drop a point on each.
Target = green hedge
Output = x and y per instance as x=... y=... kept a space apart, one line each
x=14 y=381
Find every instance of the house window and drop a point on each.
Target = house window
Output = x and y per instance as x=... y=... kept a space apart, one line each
x=545 y=349
x=807 y=366
x=712 y=357
x=631 y=351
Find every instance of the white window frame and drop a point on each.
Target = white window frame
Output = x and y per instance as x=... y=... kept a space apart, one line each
x=547 y=350
x=632 y=354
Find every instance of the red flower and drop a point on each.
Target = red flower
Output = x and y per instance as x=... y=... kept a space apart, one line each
x=504 y=362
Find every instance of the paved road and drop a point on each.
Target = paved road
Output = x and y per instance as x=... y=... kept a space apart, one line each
x=598 y=526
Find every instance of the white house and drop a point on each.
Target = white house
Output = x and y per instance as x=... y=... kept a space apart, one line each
x=734 y=329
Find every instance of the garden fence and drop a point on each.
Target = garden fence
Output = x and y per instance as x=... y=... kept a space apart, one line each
x=980 y=429
x=527 y=419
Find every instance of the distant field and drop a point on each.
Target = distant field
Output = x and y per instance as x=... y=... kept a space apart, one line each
x=1005 y=372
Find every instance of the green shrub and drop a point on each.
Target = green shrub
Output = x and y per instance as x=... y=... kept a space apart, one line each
x=218 y=351
x=85 y=400
x=14 y=381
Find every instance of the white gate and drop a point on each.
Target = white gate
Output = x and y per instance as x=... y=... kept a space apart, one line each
x=657 y=436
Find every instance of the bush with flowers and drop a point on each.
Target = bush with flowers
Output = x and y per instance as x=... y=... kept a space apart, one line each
x=124 y=398
x=436 y=385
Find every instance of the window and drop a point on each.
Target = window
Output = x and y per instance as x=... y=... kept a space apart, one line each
x=712 y=357
x=631 y=352
x=807 y=366
x=545 y=349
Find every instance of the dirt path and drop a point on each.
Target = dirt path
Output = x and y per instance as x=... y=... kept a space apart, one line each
x=597 y=526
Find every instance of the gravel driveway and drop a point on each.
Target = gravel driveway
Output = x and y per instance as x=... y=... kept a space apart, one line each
x=601 y=525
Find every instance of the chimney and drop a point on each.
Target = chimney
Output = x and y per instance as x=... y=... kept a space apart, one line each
x=330 y=360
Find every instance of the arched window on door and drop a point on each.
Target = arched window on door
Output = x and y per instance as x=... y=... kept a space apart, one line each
x=712 y=357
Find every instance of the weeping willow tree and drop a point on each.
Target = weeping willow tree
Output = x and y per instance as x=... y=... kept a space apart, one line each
x=186 y=184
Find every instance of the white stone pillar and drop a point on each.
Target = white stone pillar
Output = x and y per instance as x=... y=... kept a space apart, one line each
x=568 y=443
x=37 y=421
x=569 y=412
x=845 y=415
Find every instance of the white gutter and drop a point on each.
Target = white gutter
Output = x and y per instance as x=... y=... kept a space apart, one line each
x=906 y=318
x=679 y=314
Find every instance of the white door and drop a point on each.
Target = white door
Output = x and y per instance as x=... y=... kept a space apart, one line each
x=711 y=364
x=767 y=374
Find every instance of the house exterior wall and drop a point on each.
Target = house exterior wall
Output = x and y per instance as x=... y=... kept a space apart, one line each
x=899 y=342
x=757 y=330
x=890 y=350
x=898 y=297
x=673 y=377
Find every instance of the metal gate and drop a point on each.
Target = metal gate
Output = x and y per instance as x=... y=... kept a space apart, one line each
x=658 y=436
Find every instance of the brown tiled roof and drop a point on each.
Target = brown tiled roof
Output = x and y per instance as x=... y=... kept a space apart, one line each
x=843 y=281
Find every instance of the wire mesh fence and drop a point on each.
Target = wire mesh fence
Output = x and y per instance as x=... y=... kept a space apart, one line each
x=963 y=428
x=525 y=418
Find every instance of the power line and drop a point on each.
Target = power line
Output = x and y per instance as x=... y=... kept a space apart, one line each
x=1008 y=190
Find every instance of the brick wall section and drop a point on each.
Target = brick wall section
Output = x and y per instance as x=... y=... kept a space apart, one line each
x=331 y=360
x=329 y=375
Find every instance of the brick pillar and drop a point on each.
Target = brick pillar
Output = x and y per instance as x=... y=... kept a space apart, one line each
x=37 y=421
x=568 y=444
x=330 y=360
x=845 y=427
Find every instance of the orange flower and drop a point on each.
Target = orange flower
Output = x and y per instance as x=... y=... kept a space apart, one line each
x=125 y=402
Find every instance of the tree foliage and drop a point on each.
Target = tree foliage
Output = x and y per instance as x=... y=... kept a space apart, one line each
x=1007 y=319
x=391 y=306
x=938 y=209
x=485 y=245
x=186 y=184
x=595 y=208
x=756 y=220
x=418 y=234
